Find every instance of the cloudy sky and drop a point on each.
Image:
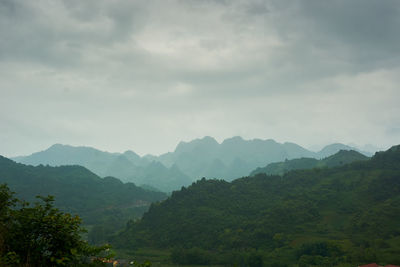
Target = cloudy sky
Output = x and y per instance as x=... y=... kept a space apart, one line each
x=144 y=75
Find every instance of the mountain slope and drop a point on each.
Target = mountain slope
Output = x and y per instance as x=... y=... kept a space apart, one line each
x=98 y=201
x=129 y=167
x=340 y=158
x=235 y=157
x=58 y=155
x=321 y=217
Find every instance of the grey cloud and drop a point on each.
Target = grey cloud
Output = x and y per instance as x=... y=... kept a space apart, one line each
x=360 y=22
x=192 y=68
x=61 y=33
x=85 y=11
x=394 y=131
x=369 y=30
x=256 y=8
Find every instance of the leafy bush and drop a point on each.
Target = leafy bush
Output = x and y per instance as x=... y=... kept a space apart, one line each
x=41 y=235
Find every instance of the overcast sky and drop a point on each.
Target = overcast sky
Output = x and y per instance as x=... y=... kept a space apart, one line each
x=144 y=75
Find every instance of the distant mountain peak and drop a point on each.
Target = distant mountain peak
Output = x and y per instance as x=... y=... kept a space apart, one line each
x=131 y=155
x=291 y=144
x=130 y=152
x=206 y=141
x=234 y=138
x=233 y=141
x=335 y=145
x=209 y=138
x=333 y=149
x=63 y=147
x=57 y=147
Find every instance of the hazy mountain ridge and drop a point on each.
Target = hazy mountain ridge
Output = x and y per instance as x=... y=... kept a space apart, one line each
x=340 y=158
x=205 y=157
x=129 y=167
x=236 y=157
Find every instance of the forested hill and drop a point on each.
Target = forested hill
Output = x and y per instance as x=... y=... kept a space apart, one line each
x=322 y=217
x=100 y=202
x=128 y=166
x=340 y=158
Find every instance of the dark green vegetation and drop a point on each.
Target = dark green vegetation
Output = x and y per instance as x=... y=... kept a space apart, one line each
x=341 y=216
x=105 y=205
x=340 y=158
x=233 y=158
x=41 y=235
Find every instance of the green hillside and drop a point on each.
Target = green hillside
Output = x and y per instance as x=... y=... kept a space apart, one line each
x=340 y=216
x=340 y=158
x=128 y=167
x=104 y=204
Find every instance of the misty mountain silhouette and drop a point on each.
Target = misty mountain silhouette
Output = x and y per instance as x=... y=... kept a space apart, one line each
x=234 y=157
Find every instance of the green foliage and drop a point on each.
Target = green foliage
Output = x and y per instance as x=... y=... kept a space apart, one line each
x=320 y=254
x=40 y=235
x=319 y=217
x=190 y=256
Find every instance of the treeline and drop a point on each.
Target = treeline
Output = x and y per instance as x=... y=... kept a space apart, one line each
x=340 y=158
x=345 y=216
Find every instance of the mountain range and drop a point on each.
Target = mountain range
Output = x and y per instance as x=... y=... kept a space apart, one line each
x=205 y=157
x=346 y=215
x=127 y=166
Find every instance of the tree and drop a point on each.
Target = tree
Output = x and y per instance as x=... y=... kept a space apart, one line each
x=40 y=235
